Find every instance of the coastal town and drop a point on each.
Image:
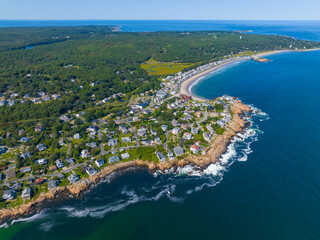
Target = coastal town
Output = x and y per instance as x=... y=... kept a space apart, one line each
x=158 y=126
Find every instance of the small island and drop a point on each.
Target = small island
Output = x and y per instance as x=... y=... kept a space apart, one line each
x=261 y=59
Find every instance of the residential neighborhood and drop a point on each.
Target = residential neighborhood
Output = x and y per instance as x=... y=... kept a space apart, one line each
x=157 y=126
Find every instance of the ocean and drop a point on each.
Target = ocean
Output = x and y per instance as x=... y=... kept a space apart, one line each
x=268 y=184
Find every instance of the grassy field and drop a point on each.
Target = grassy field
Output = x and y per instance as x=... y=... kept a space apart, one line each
x=157 y=68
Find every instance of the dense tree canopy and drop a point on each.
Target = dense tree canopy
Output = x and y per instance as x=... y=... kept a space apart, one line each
x=83 y=64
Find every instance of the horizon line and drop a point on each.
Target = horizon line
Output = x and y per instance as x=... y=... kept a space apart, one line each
x=159 y=19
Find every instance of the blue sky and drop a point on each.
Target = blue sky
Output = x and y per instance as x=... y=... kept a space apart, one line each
x=161 y=9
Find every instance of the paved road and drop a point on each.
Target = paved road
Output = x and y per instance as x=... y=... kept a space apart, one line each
x=103 y=152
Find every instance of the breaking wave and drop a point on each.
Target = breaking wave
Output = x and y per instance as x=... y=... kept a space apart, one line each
x=215 y=71
x=173 y=184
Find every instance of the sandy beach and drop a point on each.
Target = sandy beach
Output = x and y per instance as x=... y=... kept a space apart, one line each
x=216 y=149
x=187 y=84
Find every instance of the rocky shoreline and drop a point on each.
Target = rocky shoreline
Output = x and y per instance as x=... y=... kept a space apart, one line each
x=213 y=154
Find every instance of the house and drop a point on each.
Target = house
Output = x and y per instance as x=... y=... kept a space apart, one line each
x=153 y=132
x=195 y=148
x=174 y=122
x=9 y=194
x=210 y=129
x=64 y=118
x=70 y=161
x=56 y=96
x=99 y=162
x=161 y=94
x=207 y=137
x=164 y=127
x=194 y=131
x=145 y=142
x=73 y=178
x=114 y=159
x=25 y=139
x=35 y=100
x=187 y=136
x=85 y=153
x=45 y=98
x=126 y=139
x=161 y=156
x=142 y=132
x=91 y=171
x=30 y=180
x=184 y=126
x=112 y=142
x=21 y=131
x=125 y=156
x=61 y=142
x=25 y=169
x=91 y=128
x=178 y=151
x=52 y=168
x=11 y=174
x=25 y=155
x=92 y=145
x=41 y=147
x=41 y=161
x=140 y=106
x=198 y=114
x=170 y=155
x=11 y=103
x=80 y=114
x=3 y=150
x=2 y=103
x=16 y=186
x=176 y=130
x=26 y=193
x=135 y=119
x=59 y=164
x=40 y=181
x=157 y=140
x=41 y=94
x=92 y=134
x=52 y=184
x=38 y=128
x=77 y=136
x=221 y=123
x=123 y=129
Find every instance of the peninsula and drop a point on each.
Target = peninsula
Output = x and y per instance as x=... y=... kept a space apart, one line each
x=69 y=120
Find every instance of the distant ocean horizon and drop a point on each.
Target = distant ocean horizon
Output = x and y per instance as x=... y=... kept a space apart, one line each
x=308 y=30
x=267 y=186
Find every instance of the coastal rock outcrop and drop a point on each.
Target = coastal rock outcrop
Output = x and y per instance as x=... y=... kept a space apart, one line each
x=213 y=154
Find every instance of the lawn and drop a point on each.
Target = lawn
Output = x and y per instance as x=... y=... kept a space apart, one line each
x=157 y=68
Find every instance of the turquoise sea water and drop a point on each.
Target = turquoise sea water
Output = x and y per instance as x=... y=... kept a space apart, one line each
x=271 y=191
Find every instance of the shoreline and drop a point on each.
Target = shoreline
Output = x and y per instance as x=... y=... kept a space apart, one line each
x=185 y=88
x=188 y=84
x=216 y=149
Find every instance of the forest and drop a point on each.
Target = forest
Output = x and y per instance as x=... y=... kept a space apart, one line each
x=90 y=63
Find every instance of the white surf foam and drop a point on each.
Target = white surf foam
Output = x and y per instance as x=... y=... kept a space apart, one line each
x=174 y=184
